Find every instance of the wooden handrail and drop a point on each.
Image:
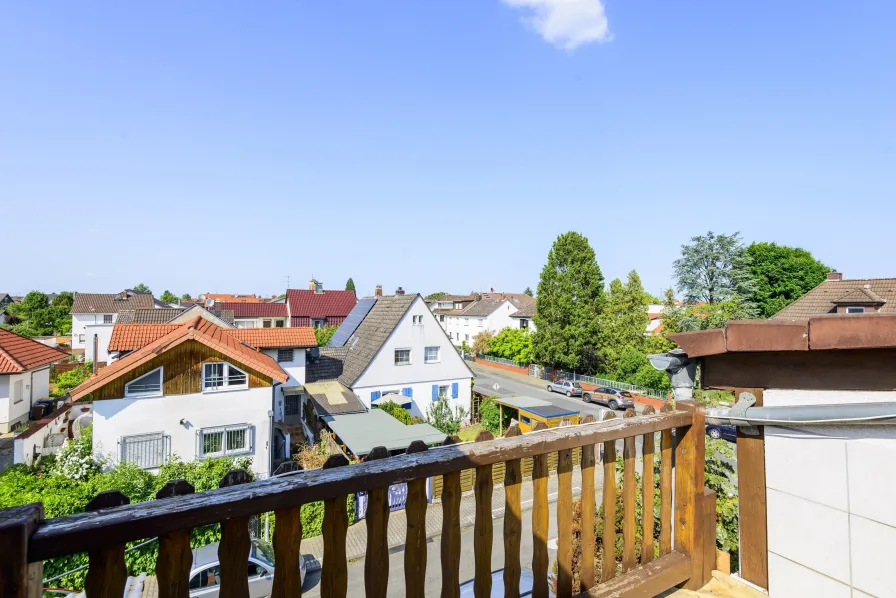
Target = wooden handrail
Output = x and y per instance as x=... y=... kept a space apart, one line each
x=87 y=531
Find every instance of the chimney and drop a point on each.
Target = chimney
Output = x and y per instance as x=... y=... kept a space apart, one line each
x=399 y=291
x=378 y=291
x=492 y=290
x=835 y=276
x=311 y=284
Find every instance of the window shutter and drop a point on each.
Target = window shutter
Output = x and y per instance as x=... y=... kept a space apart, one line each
x=407 y=392
x=435 y=392
x=454 y=390
x=375 y=395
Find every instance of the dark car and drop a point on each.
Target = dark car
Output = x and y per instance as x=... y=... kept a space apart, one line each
x=717 y=431
x=612 y=398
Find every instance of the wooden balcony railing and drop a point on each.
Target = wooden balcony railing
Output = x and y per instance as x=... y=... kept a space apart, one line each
x=686 y=553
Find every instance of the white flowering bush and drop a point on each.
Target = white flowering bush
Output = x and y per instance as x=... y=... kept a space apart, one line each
x=75 y=459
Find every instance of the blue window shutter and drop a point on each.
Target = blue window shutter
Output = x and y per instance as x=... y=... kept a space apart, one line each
x=454 y=390
x=407 y=392
x=375 y=395
x=435 y=392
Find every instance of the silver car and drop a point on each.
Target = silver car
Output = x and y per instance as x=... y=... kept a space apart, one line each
x=570 y=389
x=205 y=575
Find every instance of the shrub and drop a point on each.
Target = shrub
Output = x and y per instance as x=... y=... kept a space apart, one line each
x=312 y=456
x=490 y=416
x=443 y=418
x=514 y=344
x=70 y=379
x=398 y=412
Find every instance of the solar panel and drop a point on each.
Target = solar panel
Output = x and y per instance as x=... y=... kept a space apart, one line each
x=351 y=322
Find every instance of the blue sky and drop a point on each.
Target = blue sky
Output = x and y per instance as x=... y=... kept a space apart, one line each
x=222 y=146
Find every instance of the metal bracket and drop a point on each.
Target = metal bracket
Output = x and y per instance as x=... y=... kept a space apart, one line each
x=744 y=402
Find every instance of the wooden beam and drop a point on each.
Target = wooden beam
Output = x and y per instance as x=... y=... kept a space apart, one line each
x=647 y=580
x=17 y=578
x=689 y=484
x=752 y=501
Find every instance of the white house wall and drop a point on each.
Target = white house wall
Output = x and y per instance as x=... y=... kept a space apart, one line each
x=383 y=374
x=296 y=371
x=79 y=321
x=35 y=386
x=115 y=418
x=421 y=393
x=103 y=332
x=830 y=516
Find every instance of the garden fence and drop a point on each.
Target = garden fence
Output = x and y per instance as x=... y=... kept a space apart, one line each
x=632 y=388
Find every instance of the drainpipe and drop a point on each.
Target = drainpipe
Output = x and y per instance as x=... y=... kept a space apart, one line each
x=744 y=414
x=681 y=370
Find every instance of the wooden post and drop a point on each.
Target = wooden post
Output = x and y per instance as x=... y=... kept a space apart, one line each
x=18 y=579
x=608 y=564
x=708 y=513
x=287 y=543
x=334 y=572
x=629 y=500
x=482 y=527
x=689 y=484
x=666 y=487
x=586 y=565
x=647 y=490
x=540 y=521
x=175 y=556
x=233 y=552
x=450 y=553
x=376 y=563
x=415 y=537
x=513 y=524
x=107 y=573
x=564 y=523
x=752 y=501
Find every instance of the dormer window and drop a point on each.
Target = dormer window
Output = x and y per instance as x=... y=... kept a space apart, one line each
x=855 y=310
x=147 y=385
x=220 y=375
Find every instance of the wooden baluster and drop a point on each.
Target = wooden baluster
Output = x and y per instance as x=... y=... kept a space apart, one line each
x=415 y=539
x=540 y=521
x=233 y=552
x=564 y=523
x=175 y=556
x=287 y=545
x=689 y=484
x=647 y=489
x=608 y=565
x=334 y=573
x=629 y=489
x=450 y=552
x=107 y=572
x=666 y=487
x=482 y=528
x=18 y=578
x=586 y=565
x=376 y=563
x=513 y=523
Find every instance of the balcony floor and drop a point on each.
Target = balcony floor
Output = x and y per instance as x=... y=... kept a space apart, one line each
x=720 y=586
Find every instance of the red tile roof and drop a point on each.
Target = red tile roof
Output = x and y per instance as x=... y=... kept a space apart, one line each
x=269 y=338
x=256 y=310
x=127 y=337
x=20 y=353
x=234 y=298
x=308 y=304
x=199 y=330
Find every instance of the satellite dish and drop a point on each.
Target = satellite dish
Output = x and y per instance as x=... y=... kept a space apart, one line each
x=209 y=302
x=80 y=423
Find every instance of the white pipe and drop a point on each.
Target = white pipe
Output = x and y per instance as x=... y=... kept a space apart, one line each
x=809 y=415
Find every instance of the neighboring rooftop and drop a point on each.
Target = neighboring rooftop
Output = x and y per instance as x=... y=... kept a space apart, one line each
x=128 y=337
x=527 y=311
x=318 y=305
x=834 y=292
x=372 y=333
x=20 y=354
x=148 y=316
x=327 y=365
x=232 y=298
x=332 y=398
x=362 y=432
x=256 y=310
x=110 y=303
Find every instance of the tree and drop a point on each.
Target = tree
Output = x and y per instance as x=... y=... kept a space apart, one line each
x=438 y=295
x=568 y=304
x=324 y=334
x=624 y=319
x=168 y=297
x=512 y=343
x=443 y=418
x=714 y=268
x=142 y=288
x=186 y=297
x=782 y=275
x=481 y=342
x=350 y=285
x=529 y=292
x=36 y=316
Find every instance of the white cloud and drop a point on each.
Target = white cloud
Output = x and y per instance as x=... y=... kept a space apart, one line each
x=567 y=24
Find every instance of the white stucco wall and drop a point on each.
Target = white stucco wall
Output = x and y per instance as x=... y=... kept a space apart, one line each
x=296 y=371
x=103 y=332
x=831 y=520
x=383 y=374
x=115 y=418
x=461 y=326
x=79 y=321
x=35 y=386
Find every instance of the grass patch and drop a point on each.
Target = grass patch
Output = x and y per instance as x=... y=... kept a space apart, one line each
x=470 y=432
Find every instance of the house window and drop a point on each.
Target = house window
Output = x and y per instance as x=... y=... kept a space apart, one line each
x=278 y=324
x=458 y=306
x=441 y=317
x=525 y=420
x=417 y=319
x=225 y=441
x=402 y=356
x=107 y=318
x=17 y=395
x=431 y=355
x=466 y=337
x=284 y=355
x=855 y=310
x=265 y=323
x=147 y=385
x=443 y=392
x=524 y=323
x=146 y=451
x=317 y=323
x=217 y=375
x=466 y=321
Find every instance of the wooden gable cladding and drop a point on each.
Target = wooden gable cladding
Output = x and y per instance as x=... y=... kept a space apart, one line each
x=182 y=372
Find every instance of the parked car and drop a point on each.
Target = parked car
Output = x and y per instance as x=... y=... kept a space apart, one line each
x=717 y=431
x=570 y=389
x=612 y=398
x=526 y=583
x=205 y=575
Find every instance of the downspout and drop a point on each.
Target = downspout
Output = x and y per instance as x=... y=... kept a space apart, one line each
x=744 y=414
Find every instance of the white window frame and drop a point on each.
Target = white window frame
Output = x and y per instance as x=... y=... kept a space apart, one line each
x=225 y=451
x=466 y=321
x=447 y=393
x=110 y=317
x=855 y=309
x=291 y=353
x=427 y=359
x=148 y=393
x=408 y=362
x=266 y=323
x=226 y=377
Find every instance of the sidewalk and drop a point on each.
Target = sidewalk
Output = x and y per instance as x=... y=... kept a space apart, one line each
x=356 y=538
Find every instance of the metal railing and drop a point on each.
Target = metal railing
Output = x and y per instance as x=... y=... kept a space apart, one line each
x=632 y=388
x=146 y=451
x=502 y=361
